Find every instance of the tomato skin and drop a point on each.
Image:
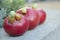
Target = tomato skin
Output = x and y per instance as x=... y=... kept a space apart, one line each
x=32 y=17
x=42 y=15
x=17 y=28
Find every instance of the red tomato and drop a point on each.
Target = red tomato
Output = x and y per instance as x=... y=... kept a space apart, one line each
x=42 y=15
x=32 y=17
x=17 y=27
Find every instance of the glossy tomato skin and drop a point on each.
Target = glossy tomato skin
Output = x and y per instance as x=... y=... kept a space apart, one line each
x=42 y=15
x=17 y=28
x=32 y=17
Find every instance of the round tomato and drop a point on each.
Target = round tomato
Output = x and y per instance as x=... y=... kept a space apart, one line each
x=17 y=27
x=31 y=15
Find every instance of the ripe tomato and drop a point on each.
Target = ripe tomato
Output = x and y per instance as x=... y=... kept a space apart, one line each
x=17 y=27
x=32 y=17
x=42 y=15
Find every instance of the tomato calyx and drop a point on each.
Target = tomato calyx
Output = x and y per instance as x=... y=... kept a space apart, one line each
x=18 y=17
x=24 y=10
x=34 y=6
x=14 y=16
x=11 y=17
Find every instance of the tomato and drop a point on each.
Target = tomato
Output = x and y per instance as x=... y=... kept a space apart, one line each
x=42 y=15
x=18 y=27
x=32 y=17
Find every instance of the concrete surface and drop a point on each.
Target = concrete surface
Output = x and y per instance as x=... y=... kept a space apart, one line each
x=54 y=35
x=41 y=32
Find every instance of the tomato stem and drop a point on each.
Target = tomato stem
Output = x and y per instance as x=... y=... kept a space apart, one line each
x=24 y=10
x=11 y=16
x=17 y=17
x=34 y=6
